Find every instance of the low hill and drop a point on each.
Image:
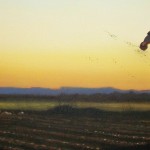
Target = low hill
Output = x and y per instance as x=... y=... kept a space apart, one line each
x=64 y=90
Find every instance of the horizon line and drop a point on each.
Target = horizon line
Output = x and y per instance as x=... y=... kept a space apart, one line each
x=74 y=87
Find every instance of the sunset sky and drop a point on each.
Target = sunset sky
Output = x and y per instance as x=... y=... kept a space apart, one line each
x=74 y=43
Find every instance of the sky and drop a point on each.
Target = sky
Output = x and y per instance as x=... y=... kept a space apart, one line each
x=74 y=43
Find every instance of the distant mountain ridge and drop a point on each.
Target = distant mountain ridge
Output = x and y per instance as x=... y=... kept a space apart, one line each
x=64 y=90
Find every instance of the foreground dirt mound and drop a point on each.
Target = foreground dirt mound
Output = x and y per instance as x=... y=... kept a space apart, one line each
x=31 y=131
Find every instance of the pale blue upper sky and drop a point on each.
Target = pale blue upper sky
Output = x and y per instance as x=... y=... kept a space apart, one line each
x=71 y=15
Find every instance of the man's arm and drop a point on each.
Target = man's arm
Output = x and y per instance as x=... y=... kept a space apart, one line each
x=144 y=44
x=147 y=38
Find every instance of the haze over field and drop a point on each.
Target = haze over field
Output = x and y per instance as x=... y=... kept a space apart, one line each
x=74 y=43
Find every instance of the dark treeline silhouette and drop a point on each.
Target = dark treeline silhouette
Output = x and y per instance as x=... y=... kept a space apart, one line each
x=113 y=97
